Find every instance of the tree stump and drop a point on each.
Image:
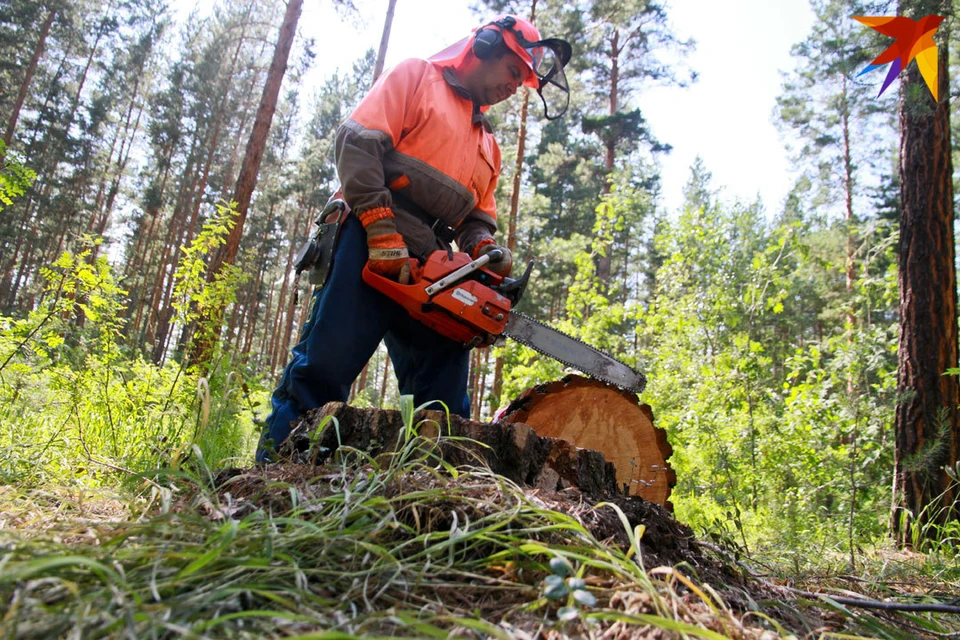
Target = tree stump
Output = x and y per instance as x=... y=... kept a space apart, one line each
x=593 y=415
x=514 y=451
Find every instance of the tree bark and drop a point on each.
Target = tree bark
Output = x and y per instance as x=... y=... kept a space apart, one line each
x=247 y=180
x=155 y=334
x=927 y=430
x=362 y=380
x=249 y=322
x=552 y=472
x=50 y=173
x=383 y=381
x=282 y=328
x=123 y=157
x=28 y=77
x=604 y=260
x=384 y=40
x=142 y=261
x=497 y=386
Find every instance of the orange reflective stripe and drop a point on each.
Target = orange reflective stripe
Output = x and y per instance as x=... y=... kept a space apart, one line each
x=482 y=243
x=400 y=183
x=372 y=215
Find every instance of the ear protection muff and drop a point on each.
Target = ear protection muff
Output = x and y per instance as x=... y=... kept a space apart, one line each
x=545 y=58
x=489 y=38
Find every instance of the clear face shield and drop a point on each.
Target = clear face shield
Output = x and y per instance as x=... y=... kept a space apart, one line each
x=549 y=57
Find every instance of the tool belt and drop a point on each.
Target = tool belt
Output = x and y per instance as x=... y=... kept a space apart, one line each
x=316 y=254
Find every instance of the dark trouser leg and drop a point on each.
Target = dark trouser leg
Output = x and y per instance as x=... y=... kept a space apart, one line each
x=429 y=366
x=347 y=321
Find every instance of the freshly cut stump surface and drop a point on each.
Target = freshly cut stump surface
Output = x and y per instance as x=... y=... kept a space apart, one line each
x=593 y=415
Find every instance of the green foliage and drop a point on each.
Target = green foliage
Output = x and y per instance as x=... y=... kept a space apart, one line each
x=772 y=372
x=198 y=299
x=773 y=375
x=15 y=178
x=840 y=133
x=624 y=127
x=562 y=586
x=78 y=408
x=775 y=428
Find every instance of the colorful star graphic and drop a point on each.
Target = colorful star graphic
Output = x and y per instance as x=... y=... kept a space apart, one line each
x=914 y=39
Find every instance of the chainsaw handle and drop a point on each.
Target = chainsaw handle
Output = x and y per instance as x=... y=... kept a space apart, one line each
x=454 y=276
x=469 y=311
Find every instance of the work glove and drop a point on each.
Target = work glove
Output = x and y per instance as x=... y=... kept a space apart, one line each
x=503 y=265
x=387 y=253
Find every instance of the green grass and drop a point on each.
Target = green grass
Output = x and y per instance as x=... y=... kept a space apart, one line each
x=404 y=547
x=399 y=546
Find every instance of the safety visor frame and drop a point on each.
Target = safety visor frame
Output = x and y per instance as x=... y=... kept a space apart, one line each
x=548 y=58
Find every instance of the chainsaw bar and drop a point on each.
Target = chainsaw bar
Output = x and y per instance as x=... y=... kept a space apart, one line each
x=572 y=352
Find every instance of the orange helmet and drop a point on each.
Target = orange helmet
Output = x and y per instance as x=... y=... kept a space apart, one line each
x=513 y=32
x=545 y=58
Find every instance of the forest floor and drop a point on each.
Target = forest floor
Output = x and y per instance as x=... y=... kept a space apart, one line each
x=405 y=546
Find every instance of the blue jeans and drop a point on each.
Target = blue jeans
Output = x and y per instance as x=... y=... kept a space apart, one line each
x=348 y=319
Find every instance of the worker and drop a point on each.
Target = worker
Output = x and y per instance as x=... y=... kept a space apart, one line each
x=418 y=166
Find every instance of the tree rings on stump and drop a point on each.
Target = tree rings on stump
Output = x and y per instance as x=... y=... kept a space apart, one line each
x=593 y=415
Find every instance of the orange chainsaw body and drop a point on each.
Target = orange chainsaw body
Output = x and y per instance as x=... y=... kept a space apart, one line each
x=469 y=311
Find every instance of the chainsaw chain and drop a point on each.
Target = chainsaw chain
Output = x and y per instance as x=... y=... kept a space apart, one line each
x=638 y=389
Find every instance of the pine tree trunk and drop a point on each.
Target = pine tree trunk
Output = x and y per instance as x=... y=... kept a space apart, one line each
x=249 y=324
x=482 y=386
x=23 y=219
x=97 y=213
x=218 y=124
x=31 y=228
x=75 y=102
x=927 y=428
x=362 y=380
x=473 y=381
x=497 y=390
x=140 y=262
x=284 y=345
x=26 y=263
x=851 y=269
x=247 y=180
x=7 y=288
x=384 y=40
x=263 y=351
x=134 y=309
x=514 y=212
x=122 y=159
x=155 y=334
x=229 y=168
x=383 y=381
x=21 y=270
x=603 y=261
x=281 y=328
x=28 y=77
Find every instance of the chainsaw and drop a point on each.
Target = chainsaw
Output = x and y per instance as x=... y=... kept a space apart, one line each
x=460 y=299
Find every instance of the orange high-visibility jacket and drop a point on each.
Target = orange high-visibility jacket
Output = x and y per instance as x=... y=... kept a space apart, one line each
x=413 y=142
